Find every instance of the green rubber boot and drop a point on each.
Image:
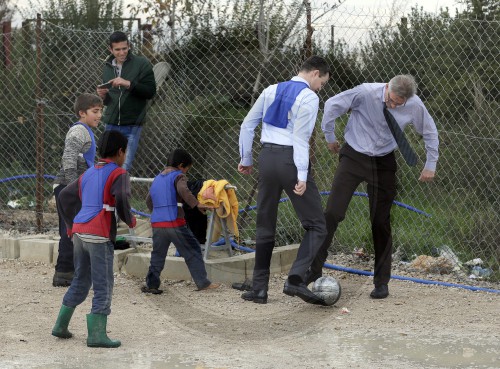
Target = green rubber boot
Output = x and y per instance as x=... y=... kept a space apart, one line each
x=96 y=326
x=61 y=328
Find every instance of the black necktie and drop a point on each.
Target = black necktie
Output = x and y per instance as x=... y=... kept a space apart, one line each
x=405 y=148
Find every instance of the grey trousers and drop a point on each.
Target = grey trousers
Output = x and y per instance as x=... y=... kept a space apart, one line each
x=277 y=172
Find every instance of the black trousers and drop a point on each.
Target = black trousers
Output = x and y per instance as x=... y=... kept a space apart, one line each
x=65 y=258
x=277 y=172
x=380 y=174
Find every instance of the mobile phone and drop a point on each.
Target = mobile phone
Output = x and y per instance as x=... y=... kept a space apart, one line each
x=105 y=85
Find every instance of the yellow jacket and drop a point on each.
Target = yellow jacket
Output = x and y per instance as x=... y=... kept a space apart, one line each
x=213 y=193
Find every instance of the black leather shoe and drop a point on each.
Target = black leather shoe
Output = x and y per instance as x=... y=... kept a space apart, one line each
x=380 y=292
x=245 y=286
x=258 y=296
x=301 y=291
x=310 y=277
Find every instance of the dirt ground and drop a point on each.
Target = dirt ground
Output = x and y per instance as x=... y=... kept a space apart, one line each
x=417 y=326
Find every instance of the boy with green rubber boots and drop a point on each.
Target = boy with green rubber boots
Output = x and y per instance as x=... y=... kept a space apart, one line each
x=88 y=208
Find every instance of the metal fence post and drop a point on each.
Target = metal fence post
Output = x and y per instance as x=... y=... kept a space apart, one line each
x=39 y=127
x=7 y=42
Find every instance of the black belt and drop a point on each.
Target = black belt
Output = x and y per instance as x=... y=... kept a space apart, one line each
x=276 y=146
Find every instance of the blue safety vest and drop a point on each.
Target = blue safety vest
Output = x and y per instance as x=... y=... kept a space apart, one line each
x=286 y=94
x=164 y=197
x=94 y=200
x=89 y=155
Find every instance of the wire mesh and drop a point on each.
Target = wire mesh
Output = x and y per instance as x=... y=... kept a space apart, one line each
x=218 y=70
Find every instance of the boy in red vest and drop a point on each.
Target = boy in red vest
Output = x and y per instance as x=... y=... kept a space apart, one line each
x=87 y=206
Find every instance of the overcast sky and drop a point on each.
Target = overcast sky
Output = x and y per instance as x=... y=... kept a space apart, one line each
x=403 y=6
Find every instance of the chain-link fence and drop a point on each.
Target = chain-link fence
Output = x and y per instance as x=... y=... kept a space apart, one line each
x=218 y=71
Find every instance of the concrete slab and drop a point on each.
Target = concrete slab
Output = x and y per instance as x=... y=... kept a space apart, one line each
x=288 y=254
x=137 y=265
x=9 y=248
x=55 y=252
x=135 y=262
x=36 y=250
x=142 y=229
x=120 y=257
x=229 y=269
x=176 y=269
x=275 y=267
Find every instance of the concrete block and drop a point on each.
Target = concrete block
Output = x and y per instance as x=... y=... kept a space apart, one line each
x=288 y=254
x=176 y=269
x=36 y=250
x=143 y=229
x=122 y=230
x=137 y=264
x=55 y=252
x=9 y=248
x=229 y=269
x=275 y=267
x=120 y=257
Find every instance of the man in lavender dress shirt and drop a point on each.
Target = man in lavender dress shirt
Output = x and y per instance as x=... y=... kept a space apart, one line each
x=368 y=156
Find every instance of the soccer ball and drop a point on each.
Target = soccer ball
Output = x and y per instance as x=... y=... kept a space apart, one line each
x=328 y=289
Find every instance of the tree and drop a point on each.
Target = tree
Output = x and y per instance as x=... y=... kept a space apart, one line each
x=6 y=11
x=78 y=14
x=456 y=64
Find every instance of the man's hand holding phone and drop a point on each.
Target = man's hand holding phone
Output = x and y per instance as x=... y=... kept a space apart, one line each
x=103 y=89
x=106 y=85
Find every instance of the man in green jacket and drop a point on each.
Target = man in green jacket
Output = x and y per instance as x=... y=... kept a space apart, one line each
x=128 y=83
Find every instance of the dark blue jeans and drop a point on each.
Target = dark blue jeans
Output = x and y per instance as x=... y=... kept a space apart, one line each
x=93 y=268
x=64 y=262
x=188 y=247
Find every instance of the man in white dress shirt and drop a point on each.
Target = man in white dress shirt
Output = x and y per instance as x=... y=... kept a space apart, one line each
x=288 y=112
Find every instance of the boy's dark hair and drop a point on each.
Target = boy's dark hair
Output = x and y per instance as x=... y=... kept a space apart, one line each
x=85 y=102
x=179 y=157
x=117 y=36
x=110 y=142
x=316 y=63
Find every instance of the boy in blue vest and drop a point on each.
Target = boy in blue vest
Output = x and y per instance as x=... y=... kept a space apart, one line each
x=166 y=196
x=78 y=156
x=88 y=208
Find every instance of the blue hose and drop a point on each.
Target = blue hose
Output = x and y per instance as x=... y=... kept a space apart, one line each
x=362 y=194
x=233 y=244
x=356 y=193
x=411 y=279
x=326 y=265
x=140 y=213
x=363 y=272
x=24 y=176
